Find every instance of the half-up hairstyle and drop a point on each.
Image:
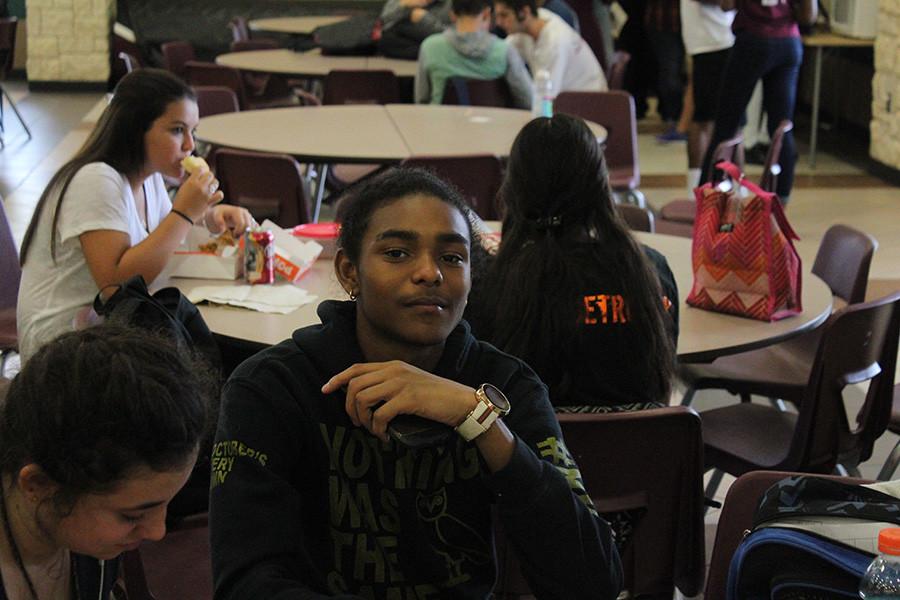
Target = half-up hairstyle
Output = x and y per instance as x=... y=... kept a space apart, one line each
x=561 y=230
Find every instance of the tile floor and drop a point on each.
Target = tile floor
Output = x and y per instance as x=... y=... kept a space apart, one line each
x=837 y=191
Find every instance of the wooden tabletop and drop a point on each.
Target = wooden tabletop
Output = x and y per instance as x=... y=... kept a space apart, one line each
x=295 y=25
x=311 y=63
x=370 y=133
x=703 y=335
x=835 y=40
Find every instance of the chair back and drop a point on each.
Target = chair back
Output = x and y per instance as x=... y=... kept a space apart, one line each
x=736 y=518
x=771 y=168
x=730 y=150
x=257 y=44
x=477 y=92
x=177 y=567
x=477 y=176
x=130 y=61
x=858 y=345
x=843 y=261
x=240 y=29
x=616 y=112
x=215 y=100
x=175 y=54
x=348 y=86
x=649 y=463
x=637 y=218
x=615 y=75
x=210 y=74
x=10 y=275
x=270 y=186
x=7 y=44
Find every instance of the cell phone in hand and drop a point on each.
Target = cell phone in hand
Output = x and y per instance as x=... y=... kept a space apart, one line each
x=418 y=432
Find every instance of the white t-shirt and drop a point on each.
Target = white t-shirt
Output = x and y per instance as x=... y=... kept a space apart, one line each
x=560 y=50
x=52 y=293
x=705 y=28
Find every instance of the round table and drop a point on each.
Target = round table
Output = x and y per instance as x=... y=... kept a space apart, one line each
x=703 y=335
x=312 y=63
x=294 y=25
x=367 y=133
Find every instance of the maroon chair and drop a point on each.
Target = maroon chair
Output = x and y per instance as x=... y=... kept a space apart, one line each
x=215 y=100
x=677 y=217
x=270 y=186
x=648 y=463
x=615 y=75
x=477 y=92
x=203 y=73
x=736 y=519
x=771 y=168
x=615 y=111
x=7 y=50
x=255 y=44
x=175 y=54
x=890 y=465
x=478 y=178
x=177 y=567
x=858 y=345
x=10 y=275
x=781 y=371
x=360 y=87
x=637 y=218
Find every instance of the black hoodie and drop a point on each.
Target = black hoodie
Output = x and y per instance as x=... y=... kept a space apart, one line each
x=305 y=505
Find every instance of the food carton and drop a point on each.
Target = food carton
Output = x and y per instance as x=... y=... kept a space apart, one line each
x=205 y=256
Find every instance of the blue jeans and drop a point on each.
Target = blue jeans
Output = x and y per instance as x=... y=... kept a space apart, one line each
x=777 y=62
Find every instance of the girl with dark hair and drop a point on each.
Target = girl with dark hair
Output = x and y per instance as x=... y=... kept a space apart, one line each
x=324 y=484
x=570 y=291
x=97 y=433
x=106 y=216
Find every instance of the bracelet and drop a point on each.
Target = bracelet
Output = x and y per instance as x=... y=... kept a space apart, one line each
x=183 y=216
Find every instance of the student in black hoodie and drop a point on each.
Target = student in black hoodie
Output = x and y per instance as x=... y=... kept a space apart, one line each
x=317 y=489
x=97 y=433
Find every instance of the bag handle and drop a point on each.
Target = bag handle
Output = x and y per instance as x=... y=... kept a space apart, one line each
x=777 y=210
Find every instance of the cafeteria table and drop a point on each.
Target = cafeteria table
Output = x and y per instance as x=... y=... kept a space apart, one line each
x=303 y=25
x=312 y=63
x=368 y=133
x=704 y=335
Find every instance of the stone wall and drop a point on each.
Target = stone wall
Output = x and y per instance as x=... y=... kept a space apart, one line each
x=68 y=40
x=885 y=126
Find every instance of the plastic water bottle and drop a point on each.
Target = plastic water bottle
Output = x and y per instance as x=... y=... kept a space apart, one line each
x=542 y=98
x=882 y=578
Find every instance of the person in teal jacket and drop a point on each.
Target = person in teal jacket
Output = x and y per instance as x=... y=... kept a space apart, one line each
x=469 y=50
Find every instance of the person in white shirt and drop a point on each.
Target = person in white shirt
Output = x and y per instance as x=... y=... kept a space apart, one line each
x=105 y=216
x=545 y=41
x=706 y=31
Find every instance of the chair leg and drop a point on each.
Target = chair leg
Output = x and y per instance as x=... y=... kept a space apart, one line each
x=778 y=403
x=712 y=487
x=16 y=110
x=322 y=173
x=688 y=396
x=890 y=465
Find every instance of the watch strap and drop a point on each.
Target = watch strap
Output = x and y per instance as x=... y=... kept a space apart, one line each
x=478 y=421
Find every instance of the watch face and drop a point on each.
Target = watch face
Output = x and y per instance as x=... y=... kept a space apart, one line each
x=497 y=398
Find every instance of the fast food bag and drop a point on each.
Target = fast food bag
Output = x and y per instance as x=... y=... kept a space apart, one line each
x=293 y=257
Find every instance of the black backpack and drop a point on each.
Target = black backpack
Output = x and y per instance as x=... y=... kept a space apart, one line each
x=167 y=312
x=356 y=36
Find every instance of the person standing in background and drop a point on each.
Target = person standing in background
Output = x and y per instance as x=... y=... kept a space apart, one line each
x=707 y=36
x=663 y=27
x=767 y=47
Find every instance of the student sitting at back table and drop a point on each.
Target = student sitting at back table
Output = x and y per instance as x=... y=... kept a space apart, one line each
x=106 y=216
x=97 y=433
x=406 y=23
x=546 y=42
x=570 y=291
x=314 y=498
x=468 y=49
